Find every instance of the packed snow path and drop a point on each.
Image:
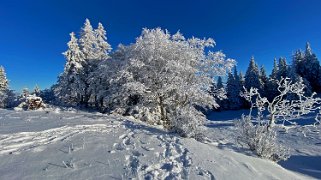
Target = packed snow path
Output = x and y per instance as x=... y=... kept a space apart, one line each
x=80 y=145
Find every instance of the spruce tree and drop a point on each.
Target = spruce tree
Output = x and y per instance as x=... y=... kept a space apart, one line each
x=103 y=48
x=233 y=89
x=275 y=70
x=88 y=41
x=282 y=68
x=4 y=88
x=252 y=76
x=102 y=53
x=71 y=84
x=264 y=80
x=219 y=83
x=311 y=69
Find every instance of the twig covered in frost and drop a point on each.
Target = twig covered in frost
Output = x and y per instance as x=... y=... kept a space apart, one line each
x=291 y=103
x=260 y=140
x=282 y=107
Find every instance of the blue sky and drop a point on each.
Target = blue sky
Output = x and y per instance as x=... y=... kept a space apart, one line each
x=34 y=33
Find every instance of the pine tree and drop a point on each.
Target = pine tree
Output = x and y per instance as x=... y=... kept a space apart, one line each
x=36 y=91
x=233 y=89
x=252 y=76
x=282 y=69
x=297 y=61
x=275 y=70
x=71 y=84
x=88 y=41
x=310 y=69
x=4 y=84
x=103 y=48
x=264 y=80
x=219 y=83
x=102 y=53
x=242 y=83
x=4 y=88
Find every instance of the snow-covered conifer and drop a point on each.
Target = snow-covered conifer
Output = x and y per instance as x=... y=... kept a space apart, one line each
x=282 y=69
x=37 y=90
x=219 y=83
x=103 y=48
x=4 y=88
x=71 y=84
x=309 y=69
x=233 y=90
x=88 y=41
x=252 y=76
x=264 y=80
x=275 y=70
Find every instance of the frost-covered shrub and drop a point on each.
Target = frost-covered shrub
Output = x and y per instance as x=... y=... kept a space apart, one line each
x=262 y=137
x=261 y=140
x=162 y=78
x=187 y=122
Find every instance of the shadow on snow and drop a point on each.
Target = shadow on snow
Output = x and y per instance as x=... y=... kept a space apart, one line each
x=308 y=165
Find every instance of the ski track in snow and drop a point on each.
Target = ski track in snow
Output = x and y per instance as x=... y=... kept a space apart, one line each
x=23 y=141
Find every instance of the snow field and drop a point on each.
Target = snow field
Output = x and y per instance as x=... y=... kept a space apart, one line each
x=80 y=145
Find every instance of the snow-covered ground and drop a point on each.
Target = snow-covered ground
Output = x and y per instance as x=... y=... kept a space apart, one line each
x=80 y=145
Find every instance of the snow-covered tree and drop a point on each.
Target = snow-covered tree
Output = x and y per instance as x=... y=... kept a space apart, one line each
x=275 y=70
x=103 y=48
x=252 y=76
x=264 y=80
x=4 y=88
x=233 y=89
x=102 y=81
x=71 y=85
x=165 y=78
x=309 y=68
x=219 y=88
x=219 y=83
x=281 y=108
x=88 y=41
x=271 y=85
x=94 y=45
x=36 y=90
x=261 y=137
x=282 y=69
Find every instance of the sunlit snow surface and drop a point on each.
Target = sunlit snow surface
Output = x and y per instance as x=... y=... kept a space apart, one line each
x=79 y=145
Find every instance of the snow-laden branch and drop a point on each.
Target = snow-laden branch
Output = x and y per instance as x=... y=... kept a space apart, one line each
x=291 y=103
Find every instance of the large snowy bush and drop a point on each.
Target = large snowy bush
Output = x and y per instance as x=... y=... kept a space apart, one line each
x=163 y=77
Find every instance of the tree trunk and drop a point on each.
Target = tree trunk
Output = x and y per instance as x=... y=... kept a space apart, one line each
x=164 y=118
x=271 y=122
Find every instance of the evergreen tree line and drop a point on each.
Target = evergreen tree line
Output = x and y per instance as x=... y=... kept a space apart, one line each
x=304 y=65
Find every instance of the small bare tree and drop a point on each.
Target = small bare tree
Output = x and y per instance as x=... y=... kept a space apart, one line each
x=291 y=103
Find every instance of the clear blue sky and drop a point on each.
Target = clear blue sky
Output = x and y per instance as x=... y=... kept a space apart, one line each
x=34 y=33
